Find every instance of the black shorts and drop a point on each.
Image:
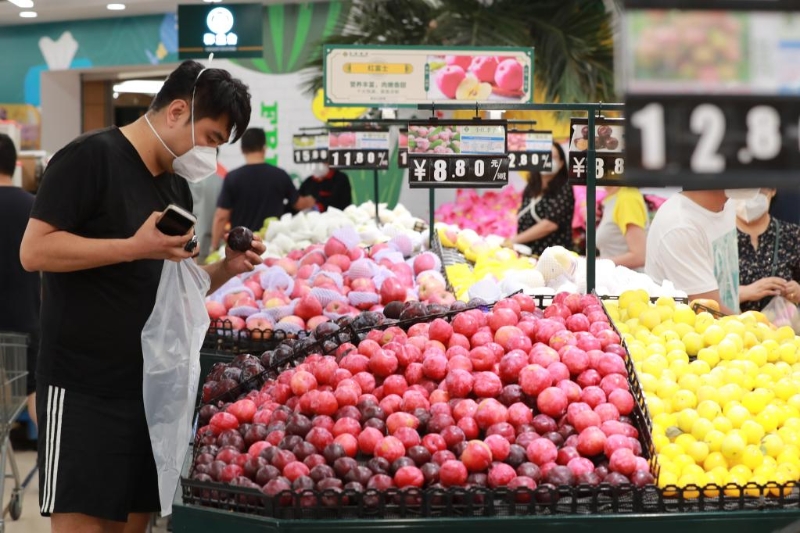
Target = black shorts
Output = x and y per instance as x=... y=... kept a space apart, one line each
x=95 y=456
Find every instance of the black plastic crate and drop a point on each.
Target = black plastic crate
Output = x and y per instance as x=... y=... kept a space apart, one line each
x=222 y=338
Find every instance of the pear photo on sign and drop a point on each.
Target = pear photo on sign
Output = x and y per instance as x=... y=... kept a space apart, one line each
x=607 y=138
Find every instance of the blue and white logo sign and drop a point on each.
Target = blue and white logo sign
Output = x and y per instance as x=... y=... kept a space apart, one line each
x=220 y=22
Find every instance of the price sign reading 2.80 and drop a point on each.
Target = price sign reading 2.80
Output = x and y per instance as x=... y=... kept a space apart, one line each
x=457 y=153
x=689 y=139
x=530 y=150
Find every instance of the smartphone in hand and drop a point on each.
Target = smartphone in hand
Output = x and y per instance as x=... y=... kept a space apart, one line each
x=175 y=221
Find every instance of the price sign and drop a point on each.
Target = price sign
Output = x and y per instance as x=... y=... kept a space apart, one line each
x=609 y=146
x=402 y=148
x=310 y=148
x=463 y=154
x=718 y=107
x=364 y=149
x=530 y=150
x=683 y=140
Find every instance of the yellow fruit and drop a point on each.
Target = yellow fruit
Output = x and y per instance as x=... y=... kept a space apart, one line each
x=655 y=365
x=701 y=427
x=690 y=382
x=741 y=470
x=709 y=409
x=755 y=402
x=699 y=367
x=684 y=462
x=703 y=321
x=649 y=318
x=649 y=383
x=772 y=444
x=659 y=441
x=671 y=450
x=784 y=333
x=721 y=423
x=667 y=388
x=713 y=335
x=769 y=419
x=707 y=355
x=788 y=353
x=683 y=314
x=635 y=309
x=752 y=457
x=697 y=480
x=666 y=301
x=784 y=389
x=707 y=392
x=693 y=342
x=714 y=460
x=698 y=451
x=733 y=448
x=714 y=439
x=684 y=400
x=757 y=354
x=726 y=349
x=679 y=368
x=729 y=393
x=737 y=414
x=684 y=440
x=753 y=431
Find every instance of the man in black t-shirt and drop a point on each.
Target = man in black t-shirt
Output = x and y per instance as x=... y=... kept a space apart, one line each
x=329 y=187
x=256 y=191
x=93 y=234
x=20 y=290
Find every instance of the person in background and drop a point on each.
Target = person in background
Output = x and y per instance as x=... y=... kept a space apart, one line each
x=545 y=217
x=622 y=232
x=20 y=290
x=93 y=234
x=785 y=205
x=204 y=197
x=256 y=191
x=769 y=254
x=692 y=243
x=329 y=187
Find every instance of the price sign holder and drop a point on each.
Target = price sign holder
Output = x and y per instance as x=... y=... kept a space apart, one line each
x=609 y=138
x=457 y=153
x=402 y=148
x=310 y=146
x=358 y=148
x=719 y=107
x=529 y=150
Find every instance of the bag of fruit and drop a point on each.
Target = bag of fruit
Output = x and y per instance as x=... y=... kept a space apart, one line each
x=171 y=341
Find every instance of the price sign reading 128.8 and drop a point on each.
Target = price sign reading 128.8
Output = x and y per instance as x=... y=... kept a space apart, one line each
x=310 y=148
x=688 y=139
x=530 y=150
x=609 y=145
x=457 y=154
x=366 y=149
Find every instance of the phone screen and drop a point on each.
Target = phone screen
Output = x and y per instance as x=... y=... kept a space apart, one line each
x=173 y=223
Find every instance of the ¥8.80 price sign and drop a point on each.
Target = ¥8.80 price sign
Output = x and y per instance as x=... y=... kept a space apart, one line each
x=609 y=145
x=364 y=149
x=457 y=154
x=530 y=150
x=310 y=148
x=693 y=140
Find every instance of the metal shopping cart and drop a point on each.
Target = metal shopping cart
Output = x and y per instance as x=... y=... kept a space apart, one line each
x=13 y=371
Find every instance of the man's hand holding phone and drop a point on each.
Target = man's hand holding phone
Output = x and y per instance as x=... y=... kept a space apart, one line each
x=150 y=242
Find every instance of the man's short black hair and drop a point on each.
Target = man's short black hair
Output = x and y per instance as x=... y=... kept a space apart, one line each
x=8 y=155
x=253 y=140
x=217 y=94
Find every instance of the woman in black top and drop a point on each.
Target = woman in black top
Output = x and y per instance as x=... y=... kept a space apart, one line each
x=545 y=217
x=769 y=254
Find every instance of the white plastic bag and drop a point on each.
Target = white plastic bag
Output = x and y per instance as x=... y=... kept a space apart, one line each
x=171 y=341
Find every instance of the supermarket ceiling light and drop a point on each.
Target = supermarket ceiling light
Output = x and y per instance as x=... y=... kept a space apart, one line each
x=212 y=1
x=115 y=7
x=28 y=14
x=24 y=4
x=139 y=86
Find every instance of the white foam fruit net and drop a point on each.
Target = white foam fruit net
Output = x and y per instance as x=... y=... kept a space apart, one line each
x=326 y=296
x=363 y=298
x=276 y=279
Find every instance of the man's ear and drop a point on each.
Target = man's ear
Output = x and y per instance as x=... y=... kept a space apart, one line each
x=176 y=110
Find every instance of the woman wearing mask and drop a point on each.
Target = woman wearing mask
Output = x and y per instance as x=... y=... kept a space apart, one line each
x=545 y=217
x=329 y=187
x=622 y=232
x=769 y=254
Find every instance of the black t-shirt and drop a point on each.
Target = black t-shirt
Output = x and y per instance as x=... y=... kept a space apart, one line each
x=330 y=191
x=556 y=206
x=256 y=192
x=98 y=187
x=20 y=290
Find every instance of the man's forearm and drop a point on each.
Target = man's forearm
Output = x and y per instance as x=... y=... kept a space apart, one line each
x=62 y=251
x=219 y=275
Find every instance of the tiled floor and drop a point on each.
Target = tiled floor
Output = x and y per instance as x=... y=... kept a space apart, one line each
x=31 y=521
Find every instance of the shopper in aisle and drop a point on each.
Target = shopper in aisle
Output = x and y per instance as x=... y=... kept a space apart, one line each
x=692 y=243
x=622 y=232
x=785 y=205
x=769 y=254
x=20 y=290
x=93 y=233
x=329 y=187
x=256 y=191
x=204 y=198
x=545 y=217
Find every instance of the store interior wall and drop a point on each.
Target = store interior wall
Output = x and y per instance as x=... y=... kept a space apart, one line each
x=61 y=108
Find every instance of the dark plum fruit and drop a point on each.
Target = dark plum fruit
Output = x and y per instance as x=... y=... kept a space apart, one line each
x=240 y=239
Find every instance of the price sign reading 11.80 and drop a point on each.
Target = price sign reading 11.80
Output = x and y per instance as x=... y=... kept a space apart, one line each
x=457 y=153
x=365 y=149
x=689 y=140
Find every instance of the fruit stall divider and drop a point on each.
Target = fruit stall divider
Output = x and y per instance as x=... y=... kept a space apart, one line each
x=449 y=257
x=592 y=109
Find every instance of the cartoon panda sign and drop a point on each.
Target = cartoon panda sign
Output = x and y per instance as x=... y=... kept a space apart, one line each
x=230 y=31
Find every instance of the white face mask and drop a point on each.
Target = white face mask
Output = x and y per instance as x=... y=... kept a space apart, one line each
x=752 y=209
x=198 y=163
x=741 y=194
x=319 y=170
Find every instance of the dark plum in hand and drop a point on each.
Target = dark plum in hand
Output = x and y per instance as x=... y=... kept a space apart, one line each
x=240 y=239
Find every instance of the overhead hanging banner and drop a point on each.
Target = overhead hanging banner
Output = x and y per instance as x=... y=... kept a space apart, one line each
x=406 y=76
x=712 y=92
